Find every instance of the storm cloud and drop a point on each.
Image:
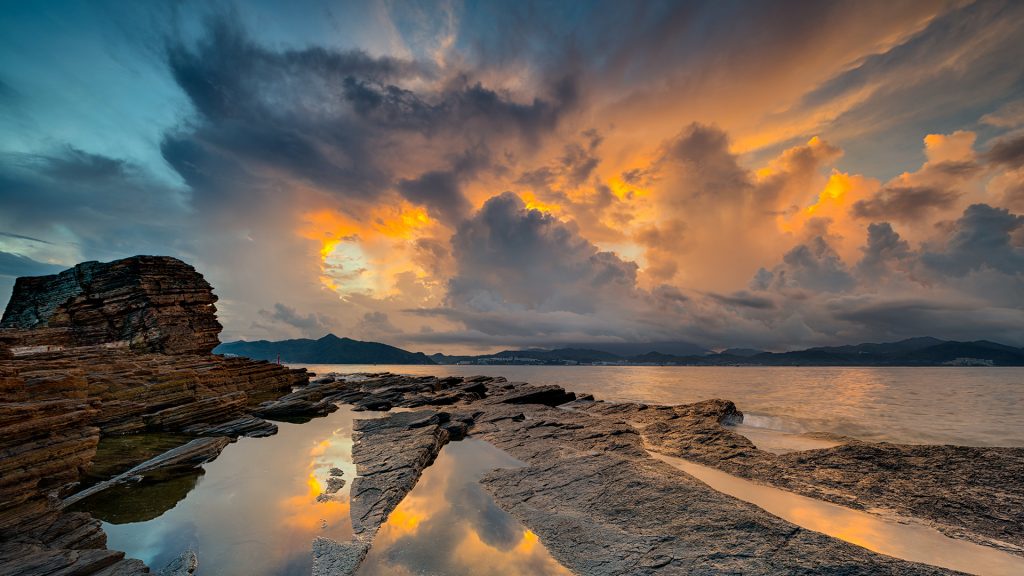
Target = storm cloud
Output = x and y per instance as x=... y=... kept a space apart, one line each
x=515 y=174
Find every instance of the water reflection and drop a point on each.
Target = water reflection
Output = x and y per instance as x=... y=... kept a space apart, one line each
x=448 y=524
x=909 y=541
x=255 y=510
x=142 y=501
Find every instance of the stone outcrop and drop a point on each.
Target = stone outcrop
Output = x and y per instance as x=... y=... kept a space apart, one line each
x=150 y=303
x=390 y=453
x=966 y=492
x=191 y=455
x=46 y=439
x=603 y=505
x=100 y=349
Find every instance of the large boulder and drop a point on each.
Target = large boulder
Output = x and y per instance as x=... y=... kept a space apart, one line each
x=147 y=303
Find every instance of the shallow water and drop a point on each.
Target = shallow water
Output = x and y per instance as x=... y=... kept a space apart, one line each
x=448 y=524
x=948 y=405
x=909 y=541
x=253 y=511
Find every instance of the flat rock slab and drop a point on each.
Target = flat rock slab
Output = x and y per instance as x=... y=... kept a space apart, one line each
x=390 y=453
x=192 y=454
x=966 y=492
x=546 y=395
x=603 y=507
x=250 y=426
x=331 y=558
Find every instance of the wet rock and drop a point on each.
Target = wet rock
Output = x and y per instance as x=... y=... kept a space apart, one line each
x=250 y=426
x=294 y=407
x=602 y=506
x=456 y=430
x=331 y=558
x=966 y=492
x=547 y=395
x=389 y=457
x=21 y=559
x=432 y=420
x=334 y=484
x=190 y=455
x=374 y=403
x=184 y=565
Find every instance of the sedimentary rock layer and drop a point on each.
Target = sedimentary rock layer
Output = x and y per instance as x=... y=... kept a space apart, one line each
x=150 y=303
x=967 y=492
x=113 y=348
x=604 y=506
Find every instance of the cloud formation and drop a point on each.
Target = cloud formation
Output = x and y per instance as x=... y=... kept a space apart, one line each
x=473 y=177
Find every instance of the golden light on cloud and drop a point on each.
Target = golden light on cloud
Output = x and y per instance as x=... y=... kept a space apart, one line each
x=363 y=255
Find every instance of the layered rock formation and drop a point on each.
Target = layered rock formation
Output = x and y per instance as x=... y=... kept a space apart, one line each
x=114 y=348
x=966 y=492
x=603 y=505
x=151 y=303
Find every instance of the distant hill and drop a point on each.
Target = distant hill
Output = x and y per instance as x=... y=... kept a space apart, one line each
x=923 y=351
x=628 y=349
x=908 y=345
x=535 y=356
x=743 y=352
x=910 y=352
x=327 y=350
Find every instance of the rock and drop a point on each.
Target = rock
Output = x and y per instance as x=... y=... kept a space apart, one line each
x=190 y=455
x=150 y=303
x=184 y=565
x=602 y=506
x=334 y=484
x=389 y=457
x=20 y=559
x=107 y=349
x=331 y=558
x=432 y=420
x=594 y=494
x=967 y=492
x=215 y=409
x=294 y=407
x=250 y=426
x=373 y=403
x=547 y=395
x=337 y=472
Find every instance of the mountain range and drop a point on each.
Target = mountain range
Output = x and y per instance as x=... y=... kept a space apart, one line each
x=922 y=351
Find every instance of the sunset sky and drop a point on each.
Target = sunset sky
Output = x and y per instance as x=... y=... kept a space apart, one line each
x=473 y=176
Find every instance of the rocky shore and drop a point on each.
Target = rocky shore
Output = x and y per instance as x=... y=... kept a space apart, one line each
x=602 y=505
x=99 y=350
x=121 y=350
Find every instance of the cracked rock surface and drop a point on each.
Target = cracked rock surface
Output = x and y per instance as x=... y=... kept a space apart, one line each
x=590 y=490
x=966 y=492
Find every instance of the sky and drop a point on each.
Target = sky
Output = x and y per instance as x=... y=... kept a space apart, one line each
x=472 y=176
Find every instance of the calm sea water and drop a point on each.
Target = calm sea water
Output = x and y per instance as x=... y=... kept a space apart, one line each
x=254 y=511
x=949 y=405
